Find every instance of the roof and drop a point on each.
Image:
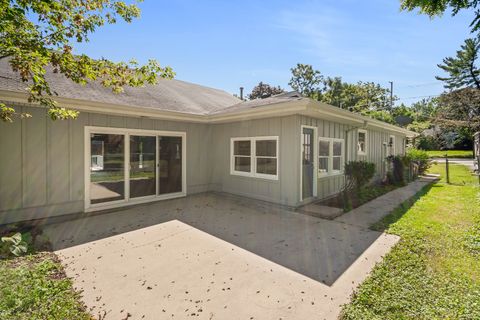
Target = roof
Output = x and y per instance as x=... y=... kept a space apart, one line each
x=182 y=101
x=257 y=103
x=168 y=95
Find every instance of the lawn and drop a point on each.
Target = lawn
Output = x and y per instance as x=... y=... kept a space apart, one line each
x=450 y=153
x=35 y=287
x=434 y=271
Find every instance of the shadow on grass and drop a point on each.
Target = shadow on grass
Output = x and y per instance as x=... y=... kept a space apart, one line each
x=398 y=213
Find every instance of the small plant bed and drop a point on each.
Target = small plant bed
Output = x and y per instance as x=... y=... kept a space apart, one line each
x=33 y=283
x=434 y=271
x=356 y=199
x=468 y=154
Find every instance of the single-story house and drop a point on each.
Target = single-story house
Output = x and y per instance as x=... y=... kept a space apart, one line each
x=175 y=139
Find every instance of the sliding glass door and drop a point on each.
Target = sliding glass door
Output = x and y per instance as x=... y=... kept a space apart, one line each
x=107 y=169
x=142 y=166
x=170 y=166
x=128 y=166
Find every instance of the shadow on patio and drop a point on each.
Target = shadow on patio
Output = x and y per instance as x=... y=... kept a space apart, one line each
x=317 y=248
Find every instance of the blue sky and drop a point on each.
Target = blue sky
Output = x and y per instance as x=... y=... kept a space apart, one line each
x=228 y=44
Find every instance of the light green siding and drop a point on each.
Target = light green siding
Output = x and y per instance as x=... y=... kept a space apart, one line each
x=42 y=161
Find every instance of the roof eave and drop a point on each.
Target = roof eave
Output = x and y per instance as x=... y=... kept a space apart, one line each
x=344 y=116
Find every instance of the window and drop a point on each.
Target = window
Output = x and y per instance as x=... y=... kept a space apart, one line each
x=330 y=156
x=323 y=156
x=362 y=142
x=255 y=157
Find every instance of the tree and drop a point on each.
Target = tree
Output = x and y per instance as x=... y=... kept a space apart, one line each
x=462 y=68
x=306 y=80
x=438 y=7
x=264 y=90
x=460 y=109
x=40 y=34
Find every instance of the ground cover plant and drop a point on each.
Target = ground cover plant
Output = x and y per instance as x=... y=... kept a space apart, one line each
x=33 y=283
x=434 y=271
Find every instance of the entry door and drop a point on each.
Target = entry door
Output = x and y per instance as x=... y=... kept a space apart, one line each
x=308 y=162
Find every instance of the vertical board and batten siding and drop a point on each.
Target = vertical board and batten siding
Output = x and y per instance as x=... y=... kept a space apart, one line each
x=42 y=161
x=285 y=189
x=376 y=153
x=330 y=185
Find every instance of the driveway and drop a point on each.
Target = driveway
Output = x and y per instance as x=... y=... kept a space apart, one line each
x=215 y=256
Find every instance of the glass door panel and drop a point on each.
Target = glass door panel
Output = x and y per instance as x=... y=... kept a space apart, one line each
x=307 y=162
x=170 y=164
x=142 y=166
x=107 y=167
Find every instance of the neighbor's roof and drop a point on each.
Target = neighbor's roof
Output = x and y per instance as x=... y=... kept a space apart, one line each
x=167 y=95
x=257 y=103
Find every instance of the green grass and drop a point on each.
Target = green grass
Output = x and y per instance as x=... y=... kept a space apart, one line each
x=450 y=153
x=434 y=271
x=35 y=287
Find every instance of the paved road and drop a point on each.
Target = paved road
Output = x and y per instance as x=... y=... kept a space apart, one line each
x=467 y=162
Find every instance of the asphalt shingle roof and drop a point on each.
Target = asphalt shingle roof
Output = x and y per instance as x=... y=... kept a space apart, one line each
x=168 y=95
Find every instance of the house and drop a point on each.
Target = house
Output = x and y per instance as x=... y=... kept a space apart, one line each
x=176 y=139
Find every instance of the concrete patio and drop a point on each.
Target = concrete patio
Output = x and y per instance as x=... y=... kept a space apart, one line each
x=215 y=256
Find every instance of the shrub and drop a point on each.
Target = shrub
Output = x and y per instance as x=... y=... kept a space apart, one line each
x=358 y=174
x=420 y=157
x=427 y=143
x=15 y=244
x=397 y=175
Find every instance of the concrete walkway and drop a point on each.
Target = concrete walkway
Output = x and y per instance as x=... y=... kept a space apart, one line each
x=373 y=211
x=214 y=256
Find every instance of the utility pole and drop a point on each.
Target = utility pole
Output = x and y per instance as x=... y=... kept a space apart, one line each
x=391 y=94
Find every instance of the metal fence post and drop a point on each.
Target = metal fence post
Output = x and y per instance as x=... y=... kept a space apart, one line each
x=446 y=168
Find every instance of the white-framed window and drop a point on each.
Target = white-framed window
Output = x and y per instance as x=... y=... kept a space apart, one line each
x=331 y=156
x=254 y=157
x=362 y=140
x=391 y=145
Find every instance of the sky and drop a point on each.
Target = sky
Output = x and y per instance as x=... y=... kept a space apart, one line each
x=232 y=44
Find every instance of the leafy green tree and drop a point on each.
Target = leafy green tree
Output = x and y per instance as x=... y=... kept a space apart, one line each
x=306 y=81
x=425 y=109
x=462 y=69
x=460 y=109
x=264 y=90
x=434 y=8
x=40 y=34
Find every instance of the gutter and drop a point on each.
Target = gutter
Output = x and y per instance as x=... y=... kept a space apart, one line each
x=303 y=106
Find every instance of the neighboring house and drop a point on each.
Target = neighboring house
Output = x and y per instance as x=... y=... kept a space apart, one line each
x=176 y=139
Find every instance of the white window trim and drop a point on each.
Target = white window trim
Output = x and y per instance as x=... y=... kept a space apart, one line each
x=363 y=153
x=253 y=158
x=89 y=207
x=330 y=171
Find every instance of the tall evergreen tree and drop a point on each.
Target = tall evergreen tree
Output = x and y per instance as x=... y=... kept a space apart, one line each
x=462 y=69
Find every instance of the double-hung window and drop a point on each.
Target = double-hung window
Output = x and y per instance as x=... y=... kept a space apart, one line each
x=255 y=157
x=331 y=156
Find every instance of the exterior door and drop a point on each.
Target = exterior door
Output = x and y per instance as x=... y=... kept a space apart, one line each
x=308 y=162
x=126 y=166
